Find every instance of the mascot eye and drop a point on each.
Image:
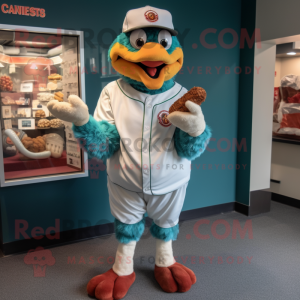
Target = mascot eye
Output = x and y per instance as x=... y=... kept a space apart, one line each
x=138 y=38
x=165 y=39
x=139 y=42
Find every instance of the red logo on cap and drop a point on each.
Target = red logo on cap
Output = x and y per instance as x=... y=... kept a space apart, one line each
x=151 y=16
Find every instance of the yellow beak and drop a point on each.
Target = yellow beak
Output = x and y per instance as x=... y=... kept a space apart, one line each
x=127 y=63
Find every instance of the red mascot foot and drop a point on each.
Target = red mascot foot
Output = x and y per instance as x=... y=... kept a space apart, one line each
x=109 y=286
x=176 y=278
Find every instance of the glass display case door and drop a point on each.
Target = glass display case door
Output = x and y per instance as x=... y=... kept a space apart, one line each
x=38 y=65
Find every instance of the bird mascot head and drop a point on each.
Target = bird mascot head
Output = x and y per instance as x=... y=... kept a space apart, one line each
x=147 y=53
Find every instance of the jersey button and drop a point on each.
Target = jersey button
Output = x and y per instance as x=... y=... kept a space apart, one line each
x=147 y=127
x=146 y=189
x=146 y=171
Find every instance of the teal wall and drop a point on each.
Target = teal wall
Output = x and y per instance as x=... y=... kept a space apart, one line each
x=84 y=202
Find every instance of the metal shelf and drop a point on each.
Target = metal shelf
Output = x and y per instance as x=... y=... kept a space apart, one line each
x=286 y=141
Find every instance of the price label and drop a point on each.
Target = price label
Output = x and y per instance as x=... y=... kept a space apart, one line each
x=26 y=87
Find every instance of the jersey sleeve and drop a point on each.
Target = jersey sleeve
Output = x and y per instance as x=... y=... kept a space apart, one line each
x=99 y=137
x=103 y=111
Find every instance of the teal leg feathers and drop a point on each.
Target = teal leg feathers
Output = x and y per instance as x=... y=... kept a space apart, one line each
x=165 y=234
x=126 y=233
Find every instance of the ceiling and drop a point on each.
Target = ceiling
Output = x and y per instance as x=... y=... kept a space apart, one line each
x=283 y=49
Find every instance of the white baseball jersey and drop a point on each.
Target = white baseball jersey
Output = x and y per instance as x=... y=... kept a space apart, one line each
x=147 y=160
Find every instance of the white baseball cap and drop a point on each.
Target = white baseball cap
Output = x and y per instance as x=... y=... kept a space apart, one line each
x=148 y=16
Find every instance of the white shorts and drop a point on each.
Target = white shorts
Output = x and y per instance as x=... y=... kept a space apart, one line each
x=129 y=207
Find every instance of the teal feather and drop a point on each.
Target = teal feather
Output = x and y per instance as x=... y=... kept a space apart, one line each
x=99 y=139
x=126 y=233
x=165 y=234
x=190 y=147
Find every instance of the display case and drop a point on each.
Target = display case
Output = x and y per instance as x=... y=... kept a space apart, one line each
x=286 y=109
x=38 y=65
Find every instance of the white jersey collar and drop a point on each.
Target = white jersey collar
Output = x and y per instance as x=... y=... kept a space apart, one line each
x=134 y=94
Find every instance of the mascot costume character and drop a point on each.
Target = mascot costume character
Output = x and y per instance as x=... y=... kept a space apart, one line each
x=147 y=148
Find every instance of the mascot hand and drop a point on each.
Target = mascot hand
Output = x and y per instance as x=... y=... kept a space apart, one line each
x=75 y=111
x=190 y=122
